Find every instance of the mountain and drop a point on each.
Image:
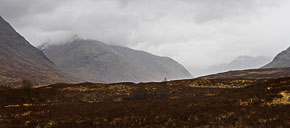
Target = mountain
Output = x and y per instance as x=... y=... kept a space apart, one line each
x=96 y=61
x=20 y=60
x=281 y=60
x=247 y=62
x=262 y=73
x=240 y=63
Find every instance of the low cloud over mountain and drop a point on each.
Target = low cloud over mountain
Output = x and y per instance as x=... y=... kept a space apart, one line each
x=98 y=62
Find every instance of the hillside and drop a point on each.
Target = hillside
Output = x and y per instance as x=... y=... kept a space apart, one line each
x=278 y=68
x=240 y=63
x=98 y=62
x=269 y=73
x=281 y=60
x=20 y=60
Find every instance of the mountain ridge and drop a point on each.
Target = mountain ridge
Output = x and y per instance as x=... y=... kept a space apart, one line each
x=100 y=62
x=281 y=60
x=20 y=60
x=239 y=63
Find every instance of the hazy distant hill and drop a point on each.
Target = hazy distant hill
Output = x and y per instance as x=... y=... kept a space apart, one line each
x=281 y=60
x=20 y=60
x=279 y=67
x=240 y=63
x=98 y=62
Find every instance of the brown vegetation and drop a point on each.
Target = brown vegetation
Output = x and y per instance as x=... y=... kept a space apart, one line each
x=268 y=73
x=184 y=103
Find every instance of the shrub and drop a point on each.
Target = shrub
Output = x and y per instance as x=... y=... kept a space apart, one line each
x=27 y=86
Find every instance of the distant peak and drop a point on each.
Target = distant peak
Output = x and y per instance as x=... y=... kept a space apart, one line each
x=75 y=37
x=44 y=46
x=243 y=58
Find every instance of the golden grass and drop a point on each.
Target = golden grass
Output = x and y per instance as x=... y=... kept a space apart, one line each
x=265 y=72
x=26 y=113
x=284 y=100
x=10 y=106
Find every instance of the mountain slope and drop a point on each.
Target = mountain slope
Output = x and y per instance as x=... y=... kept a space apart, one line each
x=281 y=60
x=240 y=63
x=248 y=62
x=99 y=62
x=20 y=60
x=268 y=73
x=278 y=68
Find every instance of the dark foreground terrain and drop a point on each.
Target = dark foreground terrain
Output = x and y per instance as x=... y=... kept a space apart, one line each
x=185 y=103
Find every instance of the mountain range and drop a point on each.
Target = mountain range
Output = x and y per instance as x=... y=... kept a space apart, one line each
x=240 y=63
x=81 y=60
x=96 y=61
x=279 y=67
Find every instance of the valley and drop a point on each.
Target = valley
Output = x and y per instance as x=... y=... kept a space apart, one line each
x=183 y=103
x=144 y=64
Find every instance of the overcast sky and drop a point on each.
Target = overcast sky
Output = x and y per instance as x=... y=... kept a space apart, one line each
x=196 y=33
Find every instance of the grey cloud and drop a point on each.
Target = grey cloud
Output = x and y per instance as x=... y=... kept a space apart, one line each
x=208 y=10
x=20 y=8
x=13 y=9
x=124 y=3
x=197 y=33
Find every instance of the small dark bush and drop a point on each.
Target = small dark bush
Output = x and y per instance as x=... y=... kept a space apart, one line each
x=27 y=87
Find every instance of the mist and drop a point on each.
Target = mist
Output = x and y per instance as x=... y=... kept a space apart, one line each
x=197 y=33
